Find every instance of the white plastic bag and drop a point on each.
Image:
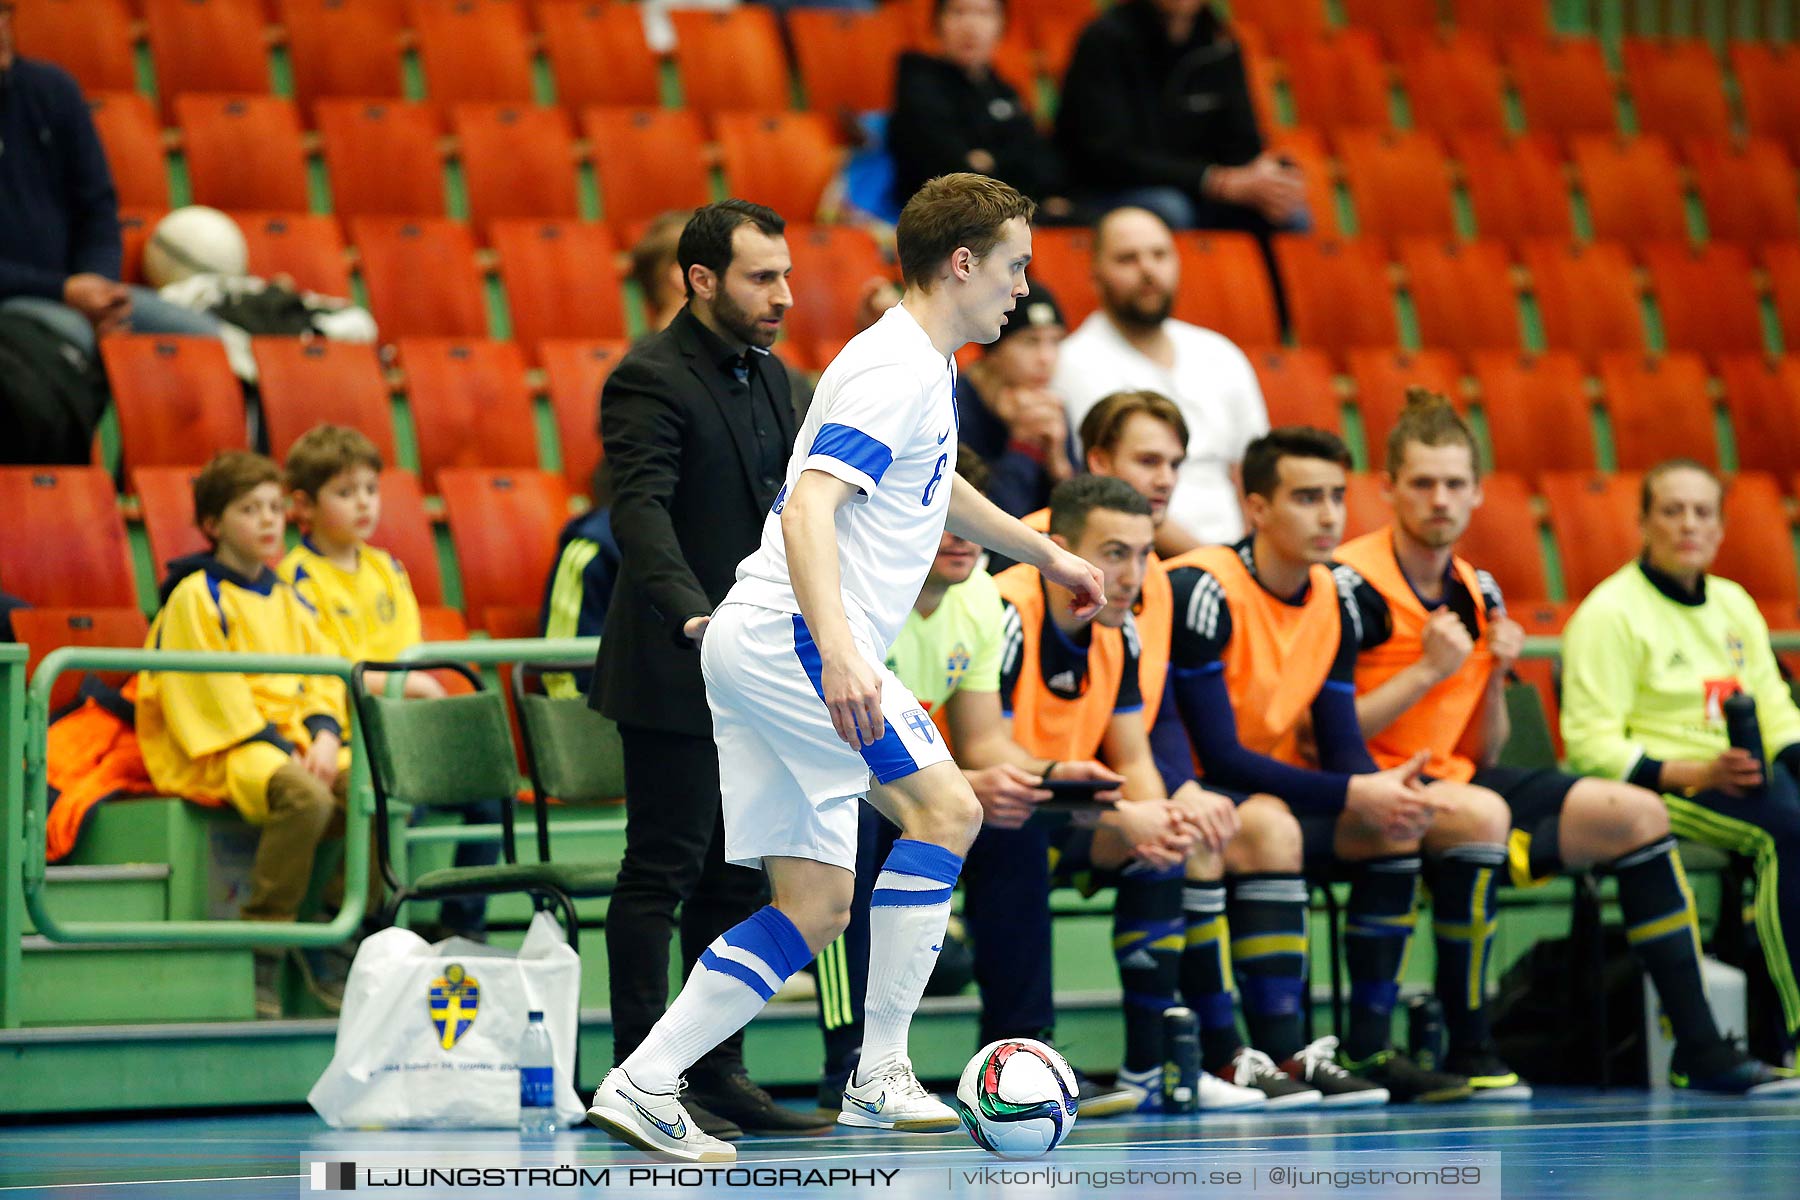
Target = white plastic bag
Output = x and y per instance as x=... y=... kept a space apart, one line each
x=429 y=1035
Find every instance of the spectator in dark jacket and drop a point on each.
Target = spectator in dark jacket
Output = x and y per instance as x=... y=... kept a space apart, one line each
x=1007 y=414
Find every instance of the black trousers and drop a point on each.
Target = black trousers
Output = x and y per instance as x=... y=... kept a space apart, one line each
x=674 y=858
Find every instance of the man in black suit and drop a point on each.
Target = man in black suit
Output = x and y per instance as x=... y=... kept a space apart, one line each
x=698 y=426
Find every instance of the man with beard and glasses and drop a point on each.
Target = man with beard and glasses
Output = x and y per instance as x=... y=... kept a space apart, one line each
x=1132 y=344
x=698 y=428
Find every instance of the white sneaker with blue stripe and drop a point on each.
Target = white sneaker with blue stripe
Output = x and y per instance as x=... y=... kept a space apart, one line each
x=893 y=1098
x=653 y=1121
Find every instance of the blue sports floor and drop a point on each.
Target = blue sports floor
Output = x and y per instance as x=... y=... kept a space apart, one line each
x=1581 y=1145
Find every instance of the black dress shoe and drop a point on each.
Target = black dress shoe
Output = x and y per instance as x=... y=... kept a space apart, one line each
x=735 y=1097
x=710 y=1122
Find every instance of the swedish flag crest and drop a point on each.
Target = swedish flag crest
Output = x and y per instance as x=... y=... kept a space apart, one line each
x=455 y=1002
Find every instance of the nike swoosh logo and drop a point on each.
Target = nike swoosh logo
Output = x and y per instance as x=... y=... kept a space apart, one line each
x=942 y=436
x=678 y=1130
x=935 y=949
x=864 y=1104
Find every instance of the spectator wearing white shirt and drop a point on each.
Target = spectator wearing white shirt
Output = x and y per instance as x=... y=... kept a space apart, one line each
x=1132 y=344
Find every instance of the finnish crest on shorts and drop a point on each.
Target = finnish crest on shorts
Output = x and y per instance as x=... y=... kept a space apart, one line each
x=919 y=723
x=455 y=1002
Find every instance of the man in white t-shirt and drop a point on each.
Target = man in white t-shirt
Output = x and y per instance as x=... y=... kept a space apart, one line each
x=1131 y=343
x=807 y=716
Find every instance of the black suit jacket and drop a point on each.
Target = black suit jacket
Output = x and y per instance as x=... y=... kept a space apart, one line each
x=688 y=506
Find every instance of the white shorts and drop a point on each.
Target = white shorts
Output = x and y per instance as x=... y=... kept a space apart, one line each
x=788 y=781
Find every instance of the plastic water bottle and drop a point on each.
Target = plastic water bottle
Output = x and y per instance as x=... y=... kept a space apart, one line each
x=1742 y=729
x=537 y=1079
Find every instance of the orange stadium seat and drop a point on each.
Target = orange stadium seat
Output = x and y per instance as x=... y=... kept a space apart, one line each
x=474 y=50
x=1594 y=519
x=1298 y=388
x=1564 y=86
x=1707 y=297
x=504 y=526
x=1768 y=77
x=517 y=161
x=304 y=246
x=1676 y=88
x=1543 y=619
x=1389 y=17
x=730 y=61
x=1305 y=148
x=598 y=53
x=647 y=160
x=1502 y=539
x=1633 y=188
x=783 y=160
x=1400 y=183
x=1337 y=293
x=133 y=141
x=45 y=629
x=846 y=59
x=1225 y=287
x=207 y=46
x=90 y=39
x=63 y=542
x=1462 y=294
x=1260 y=73
x=1586 y=296
x=575 y=371
x=1517 y=186
x=1382 y=377
x=470 y=405
x=397 y=257
x=383 y=157
x=344 y=47
x=176 y=398
x=318 y=381
x=1660 y=409
x=166 y=506
x=1782 y=261
x=560 y=279
x=1758 y=550
x=1763 y=396
x=244 y=152
x=405 y=532
x=1280 y=18
x=1054 y=34
x=1748 y=189
x=1537 y=411
x=1338 y=81
x=1501 y=18
x=135 y=226
x=1063 y=258
x=832 y=266
x=440 y=624
x=1454 y=82
x=1365 y=508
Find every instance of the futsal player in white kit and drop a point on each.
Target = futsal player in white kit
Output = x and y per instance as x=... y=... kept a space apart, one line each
x=806 y=716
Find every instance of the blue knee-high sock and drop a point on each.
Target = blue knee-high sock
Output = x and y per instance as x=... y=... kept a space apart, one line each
x=1381 y=918
x=908 y=913
x=1268 y=949
x=1147 y=942
x=1206 y=972
x=1463 y=882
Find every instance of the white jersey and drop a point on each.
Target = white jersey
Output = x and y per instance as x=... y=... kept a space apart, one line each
x=883 y=419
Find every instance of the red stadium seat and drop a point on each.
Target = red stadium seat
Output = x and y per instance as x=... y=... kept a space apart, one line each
x=1455 y=83
x=1758 y=550
x=1763 y=396
x=1538 y=414
x=783 y=160
x=730 y=61
x=1676 y=88
x=1400 y=184
x=1782 y=261
x=504 y=525
x=344 y=47
x=317 y=382
x=1063 y=258
x=1382 y=377
x=1392 y=17
x=244 y=152
x=90 y=39
x=1225 y=287
x=303 y=246
x=207 y=46
x=1633 y=188
x=1517 y=186
x=441 y=624
x=846 y=59
x=648 y=161
x=1586 y=296
x=45 y=629
x=1502 y=539
x=133 y=141
x=576 y=371
x=166 y=505
x=475 y=50
x=1707 y=297
x=470 y=406
x=1298 y=388
x=1543 y=619
x=405 y=532
x=1279 y=18
x=383 y=157
x=399 y=256
x=176 y=398
x=1748 y=189
x=1768 y=77
x=135 y=226
x=1594 y=519
x=832 y=266
x=1660 y=409
x=560 y=280
x=1563 y=85
x=1501 y=18
x=1337 y=293
x=62 y=542
x=598 y=53
x=517 y=161
x=1338 y=81
x=1462 y=294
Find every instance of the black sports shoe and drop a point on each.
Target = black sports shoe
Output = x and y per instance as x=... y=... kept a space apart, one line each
x=1094 y=1101
x=1316 y=1067
x=1406 y=1081
x=1254 y=1069
x=1728 y=1071
x=1487 y=1073
x=736 y=1098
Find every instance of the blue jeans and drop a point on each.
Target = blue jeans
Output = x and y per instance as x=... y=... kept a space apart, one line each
x=150 y=313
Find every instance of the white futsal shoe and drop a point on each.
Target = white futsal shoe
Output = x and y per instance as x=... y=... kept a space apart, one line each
x=893 y=1098
x=653 y=1121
